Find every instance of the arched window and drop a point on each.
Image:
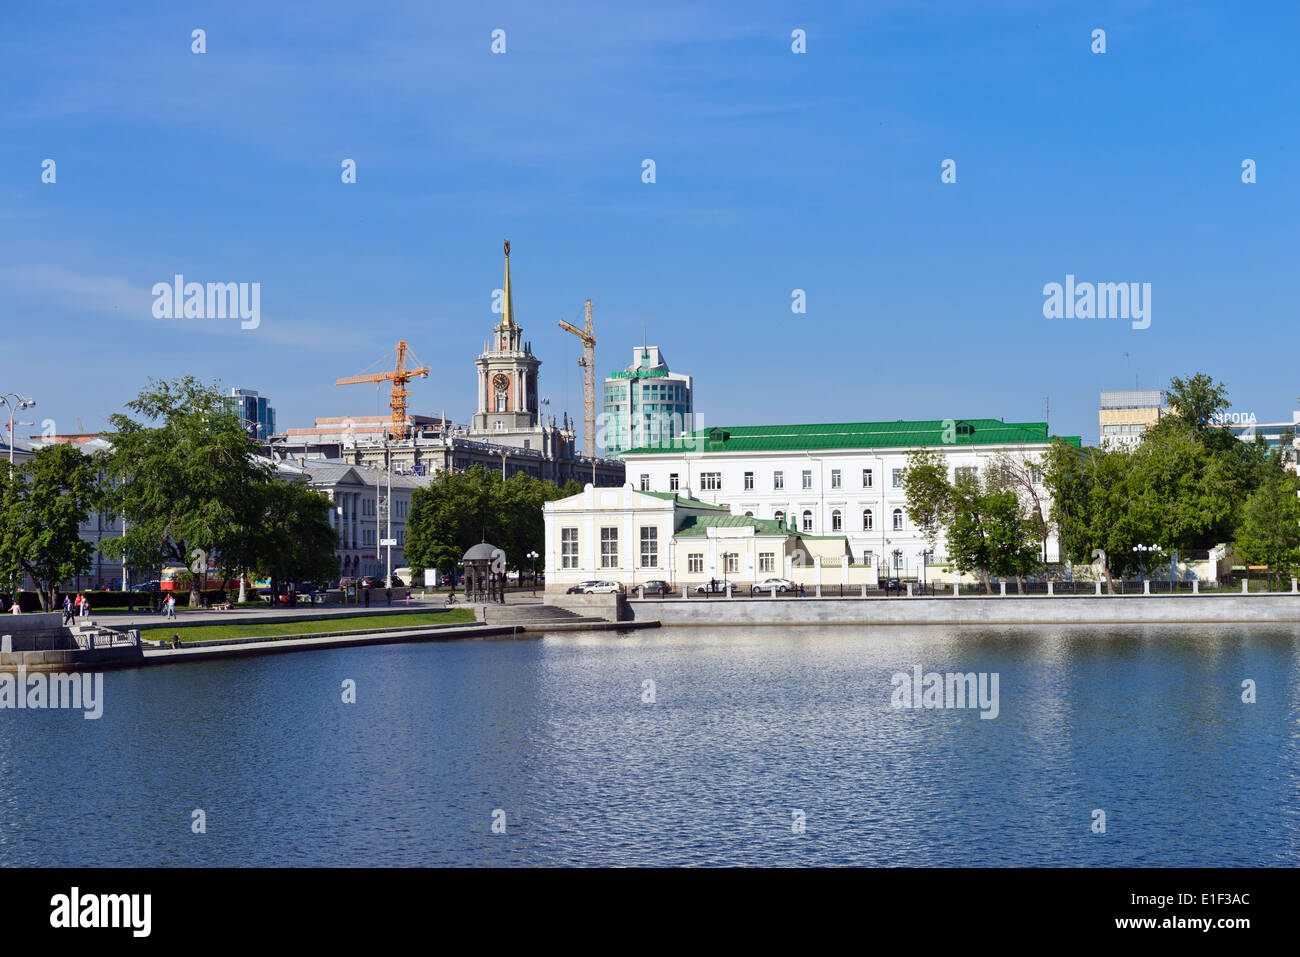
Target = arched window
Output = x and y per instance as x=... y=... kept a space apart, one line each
x=780 y=518
x=749 y=515
x=867 y=522
x=837 y=521
x=898 y=519
x=807 y=520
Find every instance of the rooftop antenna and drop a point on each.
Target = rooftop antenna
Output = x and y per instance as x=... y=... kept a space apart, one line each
x=1128 y=359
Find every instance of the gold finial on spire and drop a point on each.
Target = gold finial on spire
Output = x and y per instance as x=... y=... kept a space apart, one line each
x=507 y=307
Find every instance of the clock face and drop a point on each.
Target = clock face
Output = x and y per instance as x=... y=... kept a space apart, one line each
x=499 y=382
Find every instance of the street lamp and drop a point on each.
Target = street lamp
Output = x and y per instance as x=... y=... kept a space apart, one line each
x=725 y=557
x=532 y=556
x=16 y=403
x=1142 y=551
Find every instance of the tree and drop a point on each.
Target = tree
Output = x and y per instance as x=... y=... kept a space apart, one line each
x=1197 y=399
x=1024 y=477
x=1270 y=528
x=46 y=501
x=295 y=540
x=929 y=495
x=182 y=483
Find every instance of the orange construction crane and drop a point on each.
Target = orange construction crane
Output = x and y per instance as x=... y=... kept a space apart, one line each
x=588 y=363
x=398 y=377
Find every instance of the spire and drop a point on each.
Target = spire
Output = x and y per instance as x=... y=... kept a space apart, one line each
x=507 y=307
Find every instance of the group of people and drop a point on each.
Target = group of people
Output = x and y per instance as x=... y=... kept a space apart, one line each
x=75 y=608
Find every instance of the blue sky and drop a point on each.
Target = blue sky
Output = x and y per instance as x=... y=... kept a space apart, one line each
x=775 y=172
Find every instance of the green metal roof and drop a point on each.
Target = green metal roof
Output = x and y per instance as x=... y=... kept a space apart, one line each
x=854 y=435
x=699 y=524
x=685 y=502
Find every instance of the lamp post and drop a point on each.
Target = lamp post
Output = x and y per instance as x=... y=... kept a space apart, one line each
x=532 y=556
x=725 y=557
x=1142 y=551
x=15 y=403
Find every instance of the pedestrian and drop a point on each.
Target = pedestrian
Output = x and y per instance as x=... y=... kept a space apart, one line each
x=170 y=606
x=76 y=604
x=388 y=594
x=176 y=639
x=17 y=609
x=802 y=593
x=85 y=607
x=367 y=591
x=67 y=610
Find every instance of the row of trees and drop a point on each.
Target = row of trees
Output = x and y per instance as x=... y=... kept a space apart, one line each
x=457 y=510
x=190 y=487
x=1187 y=486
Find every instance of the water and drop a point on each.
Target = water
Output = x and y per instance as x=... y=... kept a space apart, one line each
x=748 y=726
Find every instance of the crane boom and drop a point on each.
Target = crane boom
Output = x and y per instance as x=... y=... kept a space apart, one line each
x=399 y=377
x=588 y=363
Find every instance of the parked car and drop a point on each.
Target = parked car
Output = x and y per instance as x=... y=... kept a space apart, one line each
x=782 y=585
x=148 y=586
x=603 y=588
x=893 y=584
x=656 y=587
x=369 y=581
x=714 y=586
x=580 y=588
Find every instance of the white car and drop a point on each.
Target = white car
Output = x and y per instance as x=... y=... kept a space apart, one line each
x=603 y=588
x=780 y=584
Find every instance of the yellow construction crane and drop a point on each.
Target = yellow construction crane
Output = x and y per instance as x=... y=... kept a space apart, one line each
x=588 y=363
x=398 y=377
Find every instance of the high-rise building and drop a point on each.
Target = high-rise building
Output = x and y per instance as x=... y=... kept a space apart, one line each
x=254 y=411
x=1125 y=415
x=645 y=403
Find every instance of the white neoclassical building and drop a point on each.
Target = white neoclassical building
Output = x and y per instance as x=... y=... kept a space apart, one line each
x=834 y=479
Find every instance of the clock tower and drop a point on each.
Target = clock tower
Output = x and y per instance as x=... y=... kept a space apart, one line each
x=507 y=376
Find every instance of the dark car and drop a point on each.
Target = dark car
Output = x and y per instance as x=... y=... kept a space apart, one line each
x=148 y=586
x=656 y=587
x=580 y=588
x=893 y=584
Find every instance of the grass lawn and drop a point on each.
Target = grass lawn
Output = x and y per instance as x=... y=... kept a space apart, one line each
x=315 y=626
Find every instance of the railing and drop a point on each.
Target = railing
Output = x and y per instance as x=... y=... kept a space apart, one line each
x=915 y=589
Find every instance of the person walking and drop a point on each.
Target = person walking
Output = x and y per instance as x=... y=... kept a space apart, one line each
x=17 y=609
x=85 y=607
x=67 y=610
x=388 y=595
x=367 y=591
x=170 y=607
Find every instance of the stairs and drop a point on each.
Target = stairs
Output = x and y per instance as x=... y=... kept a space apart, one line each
x=88 y=634
x=531 y=615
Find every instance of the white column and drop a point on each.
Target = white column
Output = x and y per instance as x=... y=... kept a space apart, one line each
x=1050 y=589
x=1146 y=588
x=1196 y=586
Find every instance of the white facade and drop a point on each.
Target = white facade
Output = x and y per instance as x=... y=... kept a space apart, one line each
x=855 y=492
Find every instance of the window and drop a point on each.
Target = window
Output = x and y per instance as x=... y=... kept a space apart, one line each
x=898 y=478
x=807 y=520
x=528 y=443
x=898 y=560
x=779 y=518
x=868 y=557
x=649 y=546
x=733 y=563
x=867 y=520
x=711 y=481
x=965 y=472
x=645 y=482
x=835 y=478
x=1035 y=475
x=749 y=481
x=866 y=478
x=807 y=478
x=695 y=562
x=609 y=547
x=749 y=515
x=767 y=561
x=898 y=519
x=672 y=482
x=1110 y=429
x=778 y=480
x=837 y=521
x=568 y=548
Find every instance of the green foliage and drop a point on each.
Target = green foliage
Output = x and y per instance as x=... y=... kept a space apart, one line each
x=186 y=482
x=457 y=510
x=293 y=540
x=1270 y=529
x=929 y=496
x=42 y=507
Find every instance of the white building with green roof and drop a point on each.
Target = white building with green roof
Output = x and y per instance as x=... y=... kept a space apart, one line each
x=834 y=479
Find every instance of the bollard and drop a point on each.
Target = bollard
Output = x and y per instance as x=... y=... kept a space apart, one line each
x=1245 y=586
x=686 y=592
x=1097 y=591
x=773 y=591
x=819 y=589
x=1293 y=588
x=1146 y=587
x=1050 y=589
x=1196 y=586
x=909 y=589
x=7 y=644
x=1002 y=586
x=864 y=588
x=728 y=589
x=954 y=590
x=641 y=589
